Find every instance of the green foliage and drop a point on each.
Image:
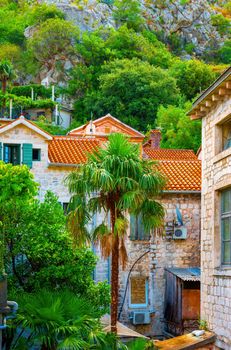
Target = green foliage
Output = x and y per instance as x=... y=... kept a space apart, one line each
x=178 y=131
x=141 y=344
x=224 y=54
x=192 y=77
x=221 y=23
x=6 y=73
x=58 y=320
x=25 y=90
x=49 y=258
x=53 y=40
x=131 y=90
x=16 y=187
x=129 y=12
x=42 y=12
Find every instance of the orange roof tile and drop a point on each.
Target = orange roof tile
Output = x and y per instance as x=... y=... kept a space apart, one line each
x=181 y=168
x=68 y=150
x=170 y=154
x=182 y=175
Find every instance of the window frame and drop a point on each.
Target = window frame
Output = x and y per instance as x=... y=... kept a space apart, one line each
x=225 y=215
x=138 y=306
x=12 y=145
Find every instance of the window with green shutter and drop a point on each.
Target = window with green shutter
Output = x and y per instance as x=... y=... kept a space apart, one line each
x=27 y=154
x=11 y=153
x=137 y=230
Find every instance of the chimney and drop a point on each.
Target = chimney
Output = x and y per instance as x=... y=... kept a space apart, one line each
x=155 y=138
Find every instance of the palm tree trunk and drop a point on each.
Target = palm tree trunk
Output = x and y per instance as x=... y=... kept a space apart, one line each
x=114 y=276
x=4 y=82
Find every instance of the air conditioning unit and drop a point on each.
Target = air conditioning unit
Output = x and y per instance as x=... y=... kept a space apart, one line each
x=180 y=232
x=139 y=317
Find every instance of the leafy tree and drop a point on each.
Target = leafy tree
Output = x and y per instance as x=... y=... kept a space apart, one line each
x=129 y=12
x=192 y=77
x=117 y=181
x=178 y=131
x=224 y=54
x=41 y=253
x=10 y=52
x=57 y=320
x=131 y=90
x=6 y=74
x=53 y=41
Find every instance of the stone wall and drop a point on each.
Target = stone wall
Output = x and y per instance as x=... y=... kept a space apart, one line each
x=164 y=252
x=216 y=175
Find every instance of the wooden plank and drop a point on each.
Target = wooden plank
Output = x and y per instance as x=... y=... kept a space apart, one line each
x=216 y=97
x=186 y=342
x=228 y=85
x=224 y=92
x=208 y=103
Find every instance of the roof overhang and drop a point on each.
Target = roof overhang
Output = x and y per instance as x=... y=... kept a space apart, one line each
x=215 y=93
x=22 y=121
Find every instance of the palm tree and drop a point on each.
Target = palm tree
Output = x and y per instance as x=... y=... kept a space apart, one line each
x=6 y=74
x=57 y=320
x=114 y=179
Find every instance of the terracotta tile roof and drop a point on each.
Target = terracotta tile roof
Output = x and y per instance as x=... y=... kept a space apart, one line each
x=182 y=175
x=170 y=154
x=181 y=168
x=68 y=150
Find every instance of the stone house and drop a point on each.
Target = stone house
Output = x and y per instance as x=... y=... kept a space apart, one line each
x=213 y=106
x=142 y=284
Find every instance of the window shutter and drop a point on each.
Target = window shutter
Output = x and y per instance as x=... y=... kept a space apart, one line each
x=0 y=151
x=132 y=227
x=27 y=154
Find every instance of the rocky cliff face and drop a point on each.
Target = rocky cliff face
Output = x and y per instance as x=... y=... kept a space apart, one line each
x=189 y=20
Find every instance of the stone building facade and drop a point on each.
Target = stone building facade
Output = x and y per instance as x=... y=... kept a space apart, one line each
x=214 y=107
x=142 y=284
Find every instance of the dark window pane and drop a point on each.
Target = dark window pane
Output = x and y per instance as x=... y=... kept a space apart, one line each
x=226 y=253
x=36 y=154
x=226 y=229
x=226 y=201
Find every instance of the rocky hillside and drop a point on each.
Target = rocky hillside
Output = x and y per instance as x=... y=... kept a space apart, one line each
x=190 y=26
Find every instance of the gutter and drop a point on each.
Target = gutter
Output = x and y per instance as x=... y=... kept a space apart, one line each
x=64 y=165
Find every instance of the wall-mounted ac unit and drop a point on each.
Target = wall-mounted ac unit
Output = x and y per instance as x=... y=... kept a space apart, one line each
x=180 y=232
x=139 y=317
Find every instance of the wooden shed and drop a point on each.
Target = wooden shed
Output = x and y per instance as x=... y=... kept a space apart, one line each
x=182 y=300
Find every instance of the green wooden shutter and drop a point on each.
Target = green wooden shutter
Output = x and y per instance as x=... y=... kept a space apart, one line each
x=0 y=151
x=132 y=227
x=27 y=154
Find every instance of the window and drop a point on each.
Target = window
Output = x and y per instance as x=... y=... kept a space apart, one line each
x=36 y=154
x=65 y=208
x=226 y=135
x=138 y=292
x=137 y=230
x=226 y=227
x=11 y=154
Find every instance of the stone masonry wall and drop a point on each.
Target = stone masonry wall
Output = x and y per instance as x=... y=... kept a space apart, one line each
x=164 y=252
x=216 y=175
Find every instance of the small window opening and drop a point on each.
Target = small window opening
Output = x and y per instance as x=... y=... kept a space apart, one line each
x=36 y=156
